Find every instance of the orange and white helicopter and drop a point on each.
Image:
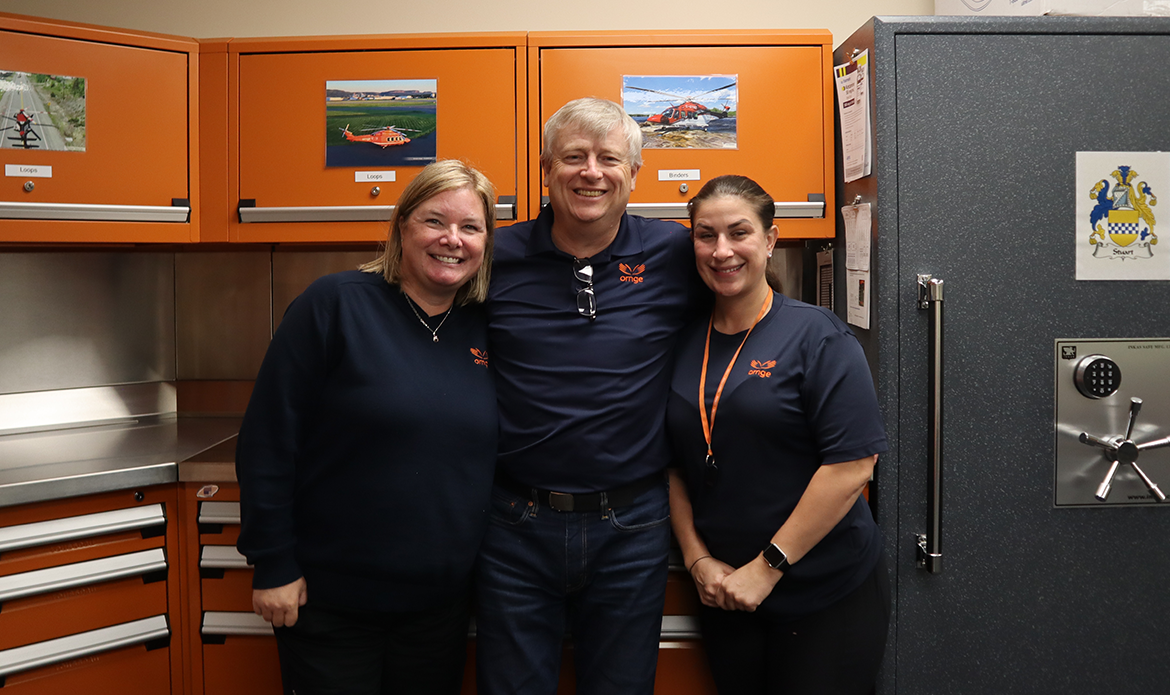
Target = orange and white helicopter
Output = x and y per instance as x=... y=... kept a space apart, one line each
x=687 y=115
x=382 y=136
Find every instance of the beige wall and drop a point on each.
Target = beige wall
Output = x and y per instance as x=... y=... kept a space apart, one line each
x=224 y=18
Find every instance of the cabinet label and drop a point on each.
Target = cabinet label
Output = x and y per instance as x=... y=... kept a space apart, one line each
x=28 y=171
x=366 y=176
x=678 y=175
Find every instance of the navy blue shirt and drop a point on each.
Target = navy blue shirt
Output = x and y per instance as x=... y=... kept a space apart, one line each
x=582 y=403
x=800 y=396
x=367 y=452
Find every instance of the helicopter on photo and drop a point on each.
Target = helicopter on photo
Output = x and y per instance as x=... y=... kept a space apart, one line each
x=684 y=112
x=382 y=136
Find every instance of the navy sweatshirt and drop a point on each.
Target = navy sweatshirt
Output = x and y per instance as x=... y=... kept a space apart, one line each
x=367 y=452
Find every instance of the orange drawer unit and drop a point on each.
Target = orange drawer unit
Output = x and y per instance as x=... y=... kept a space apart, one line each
x=230 y=649
x=89 y=592
x=324 y=133
x=99 y=139
x=756 y=103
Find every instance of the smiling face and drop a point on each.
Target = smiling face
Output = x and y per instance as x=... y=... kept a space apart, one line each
x=589 y=179
x=731 y=247
x=443 y=244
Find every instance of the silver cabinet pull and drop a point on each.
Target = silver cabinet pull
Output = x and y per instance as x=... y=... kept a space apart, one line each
x=84 y=526
x=219 y=513
x=930 y=298
x=104 y=569
x=234 y=623
x=107 y=213
x=55 y=651
x=324 y=213
x=338 y=213
x=224 y=557
x=678 y=211
x=679 y=627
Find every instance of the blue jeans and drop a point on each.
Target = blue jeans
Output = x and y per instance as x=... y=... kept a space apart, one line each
x=600 y=574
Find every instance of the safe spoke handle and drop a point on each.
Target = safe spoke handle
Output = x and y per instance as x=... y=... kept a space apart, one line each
x=930 y=298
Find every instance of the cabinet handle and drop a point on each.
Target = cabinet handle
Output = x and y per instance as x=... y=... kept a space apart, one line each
x=81 y=574
x=234 y=623
x=106 y=213
x=84 y=526
x=55 y=651
x=678 y=211
x=339 y=213
x=930 y=297
x=223 y=557
x=219 y=513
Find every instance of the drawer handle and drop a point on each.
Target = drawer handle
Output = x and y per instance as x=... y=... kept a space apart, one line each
x=55 y=651
x=234 y=623
x=219 y=513
x=223 y=557
x=81 y=574
x=84 y=526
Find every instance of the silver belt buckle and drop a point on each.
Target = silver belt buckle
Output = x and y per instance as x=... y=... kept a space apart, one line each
x=560 y=501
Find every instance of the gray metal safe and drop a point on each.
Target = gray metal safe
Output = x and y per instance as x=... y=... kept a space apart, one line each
x=977 y=122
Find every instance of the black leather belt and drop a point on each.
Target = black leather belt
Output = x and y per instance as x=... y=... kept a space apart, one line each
x=580 y=502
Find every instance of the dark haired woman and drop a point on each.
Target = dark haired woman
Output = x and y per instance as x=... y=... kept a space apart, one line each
x=367 y=453
x=776 y=431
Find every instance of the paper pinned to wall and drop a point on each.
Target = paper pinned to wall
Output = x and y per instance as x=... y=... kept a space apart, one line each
x=852 y=87
x=857 y=236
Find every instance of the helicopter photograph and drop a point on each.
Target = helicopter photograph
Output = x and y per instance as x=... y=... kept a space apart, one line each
x=683 y=112
x=380 y=123
x=42 y=112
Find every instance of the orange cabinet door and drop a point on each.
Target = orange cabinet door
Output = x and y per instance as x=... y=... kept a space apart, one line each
x=108 y=160
x=783 y=132
x=291 y=190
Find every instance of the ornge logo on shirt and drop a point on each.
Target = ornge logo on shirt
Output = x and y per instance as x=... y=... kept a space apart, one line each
x=631 y=273
x=760 y=369
x=480 y=356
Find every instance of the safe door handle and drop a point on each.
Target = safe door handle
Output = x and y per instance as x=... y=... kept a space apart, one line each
x=930 y=298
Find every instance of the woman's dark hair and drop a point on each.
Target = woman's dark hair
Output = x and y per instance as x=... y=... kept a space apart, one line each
x=754 y=196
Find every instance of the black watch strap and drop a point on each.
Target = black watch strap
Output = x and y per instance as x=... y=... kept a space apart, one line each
x=776 y=558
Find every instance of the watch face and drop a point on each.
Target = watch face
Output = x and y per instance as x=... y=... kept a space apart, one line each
x=775 y=557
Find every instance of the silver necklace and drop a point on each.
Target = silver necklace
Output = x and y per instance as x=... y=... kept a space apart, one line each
x=435 y=332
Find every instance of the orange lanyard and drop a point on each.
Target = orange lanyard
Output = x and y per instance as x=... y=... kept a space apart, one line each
x=709 y=425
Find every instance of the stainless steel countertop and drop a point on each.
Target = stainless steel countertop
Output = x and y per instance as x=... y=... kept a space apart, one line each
x=63 y=463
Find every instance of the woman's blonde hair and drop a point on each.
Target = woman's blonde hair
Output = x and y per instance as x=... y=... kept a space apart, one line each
x=441 y=176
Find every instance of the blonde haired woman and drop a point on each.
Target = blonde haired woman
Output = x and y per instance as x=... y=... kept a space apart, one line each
x=366 y=455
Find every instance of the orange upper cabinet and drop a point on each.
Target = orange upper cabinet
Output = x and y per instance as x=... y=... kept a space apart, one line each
x=325 y=133
x=757 y=103
x=99 y=134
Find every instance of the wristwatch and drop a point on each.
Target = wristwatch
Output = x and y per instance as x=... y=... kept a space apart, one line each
x=776 y=558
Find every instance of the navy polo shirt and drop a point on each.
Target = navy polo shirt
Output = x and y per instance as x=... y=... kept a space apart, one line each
x=799 y=396
x=582 y=403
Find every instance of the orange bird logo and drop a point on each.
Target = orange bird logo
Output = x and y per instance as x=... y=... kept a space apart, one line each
x=631 y=273
x=480 y=356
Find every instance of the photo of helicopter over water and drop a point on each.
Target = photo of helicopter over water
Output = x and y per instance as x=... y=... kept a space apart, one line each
x=380 y=123
x=683 y=112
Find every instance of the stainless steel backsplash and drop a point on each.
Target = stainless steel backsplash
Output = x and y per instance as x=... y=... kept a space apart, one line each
x=74 y=319
x=79 y=319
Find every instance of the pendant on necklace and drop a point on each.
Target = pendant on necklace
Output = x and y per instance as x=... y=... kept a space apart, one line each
x=434 y=338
